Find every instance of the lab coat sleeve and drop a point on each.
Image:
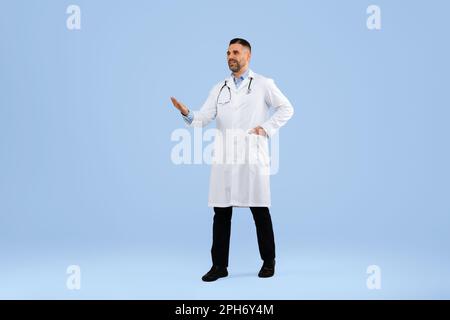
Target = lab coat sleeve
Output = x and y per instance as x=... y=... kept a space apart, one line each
x=207 y=112
x=283 y=109
x=188 y=118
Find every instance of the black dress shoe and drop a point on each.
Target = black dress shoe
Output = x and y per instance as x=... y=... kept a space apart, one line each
x=267 y=269
x=215 y=273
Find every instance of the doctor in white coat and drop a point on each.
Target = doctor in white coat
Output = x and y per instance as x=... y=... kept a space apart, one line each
x=240 y=170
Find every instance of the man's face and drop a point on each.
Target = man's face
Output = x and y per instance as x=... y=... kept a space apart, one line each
x=238 y=57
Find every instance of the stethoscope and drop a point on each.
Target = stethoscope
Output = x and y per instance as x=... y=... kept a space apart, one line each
x=249 y=90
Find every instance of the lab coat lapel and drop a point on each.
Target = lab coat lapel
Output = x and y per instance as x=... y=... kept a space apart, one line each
x=230 y=83
x=244 y=83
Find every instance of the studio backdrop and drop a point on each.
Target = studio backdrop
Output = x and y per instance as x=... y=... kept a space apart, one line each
x=96 y=204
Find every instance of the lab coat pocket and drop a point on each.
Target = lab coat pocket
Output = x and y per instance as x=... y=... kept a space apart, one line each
x=223 y=103
x=222 y=107
x=258 y=153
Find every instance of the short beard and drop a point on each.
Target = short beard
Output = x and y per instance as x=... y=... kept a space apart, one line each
x=237 y=67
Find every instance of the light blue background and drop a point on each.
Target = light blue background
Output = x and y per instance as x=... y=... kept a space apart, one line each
x=85 y=170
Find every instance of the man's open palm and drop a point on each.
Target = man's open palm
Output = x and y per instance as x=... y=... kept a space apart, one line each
x=180 y=106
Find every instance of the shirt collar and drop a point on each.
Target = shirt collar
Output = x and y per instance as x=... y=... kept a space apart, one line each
x=242 y=77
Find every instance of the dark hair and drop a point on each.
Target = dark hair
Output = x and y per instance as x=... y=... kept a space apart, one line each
x=241 y=41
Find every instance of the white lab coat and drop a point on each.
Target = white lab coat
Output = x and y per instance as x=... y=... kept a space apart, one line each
x=241 y=166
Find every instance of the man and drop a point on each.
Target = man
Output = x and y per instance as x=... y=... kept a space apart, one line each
x=240 y=105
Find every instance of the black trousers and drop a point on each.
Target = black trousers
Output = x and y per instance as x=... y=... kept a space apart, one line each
x=222 y=231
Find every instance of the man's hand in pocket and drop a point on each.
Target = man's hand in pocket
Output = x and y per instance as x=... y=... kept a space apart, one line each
x=259 y=131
